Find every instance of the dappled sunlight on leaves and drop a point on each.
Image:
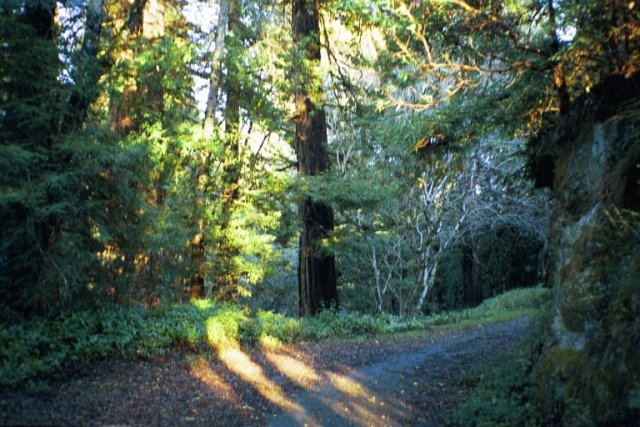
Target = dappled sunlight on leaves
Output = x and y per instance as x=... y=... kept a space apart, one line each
x=203 y=304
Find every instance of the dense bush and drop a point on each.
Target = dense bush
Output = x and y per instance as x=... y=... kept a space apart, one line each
x=44 y=347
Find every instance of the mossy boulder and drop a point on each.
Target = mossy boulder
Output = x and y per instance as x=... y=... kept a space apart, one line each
x=589 y=371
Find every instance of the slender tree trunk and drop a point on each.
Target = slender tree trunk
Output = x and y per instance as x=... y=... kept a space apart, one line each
x=196 y=284
x=199 y=243
x=427 y=276
x=226 y=275
x=216 y=69
x=316 y=271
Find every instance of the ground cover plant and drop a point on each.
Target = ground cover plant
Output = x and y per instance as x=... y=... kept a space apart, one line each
x=503 y=394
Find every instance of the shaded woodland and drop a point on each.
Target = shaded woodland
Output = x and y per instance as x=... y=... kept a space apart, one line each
x=374 y=161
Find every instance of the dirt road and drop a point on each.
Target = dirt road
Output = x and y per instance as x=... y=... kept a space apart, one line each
x=420 y=387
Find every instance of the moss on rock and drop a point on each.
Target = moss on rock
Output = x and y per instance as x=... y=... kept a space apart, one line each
x=589 y=372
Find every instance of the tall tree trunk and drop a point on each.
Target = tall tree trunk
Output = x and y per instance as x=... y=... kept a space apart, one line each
x=141 y=101
x=226 y=275
x=316 y=271
x=198 y=243
x=122 y=119
x=216 y=69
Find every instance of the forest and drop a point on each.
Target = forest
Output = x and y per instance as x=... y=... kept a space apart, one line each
x=182 y=179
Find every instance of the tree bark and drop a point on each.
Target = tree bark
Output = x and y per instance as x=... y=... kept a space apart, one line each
x=428 y=275
x=198 y=243
x=317 y=286
x=123 y=120
x=316 y=271
x=226 y=275
x=216 y=69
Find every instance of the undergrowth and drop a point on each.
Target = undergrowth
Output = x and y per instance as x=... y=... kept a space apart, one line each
x=503 y=394
x=45 y=348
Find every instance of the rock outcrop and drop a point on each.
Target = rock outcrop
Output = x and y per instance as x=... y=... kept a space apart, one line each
x=589 y=370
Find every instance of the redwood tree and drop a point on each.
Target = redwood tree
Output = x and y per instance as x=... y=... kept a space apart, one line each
x=316 y=269
x=225 y=285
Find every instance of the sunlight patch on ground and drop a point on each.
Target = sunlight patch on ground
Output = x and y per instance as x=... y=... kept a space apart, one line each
x=293 y=369
x=339 y=396
x=201 y=370
x=241 y=364
x=357 y=404
x=347 y=386
x=357 y=413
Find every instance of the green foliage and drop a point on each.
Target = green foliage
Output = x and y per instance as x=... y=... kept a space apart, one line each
x=100 y=203
x=428 y=202
x=33 y=173
x=503 y=394
x=282 y=328
x=278 y=291
x=49 y=347
x=517 y=299
x=81 y=224
x=44 y=348
x=589 y=386
x=523 y=301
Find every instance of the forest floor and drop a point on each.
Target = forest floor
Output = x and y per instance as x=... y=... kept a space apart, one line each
x=414 y=379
